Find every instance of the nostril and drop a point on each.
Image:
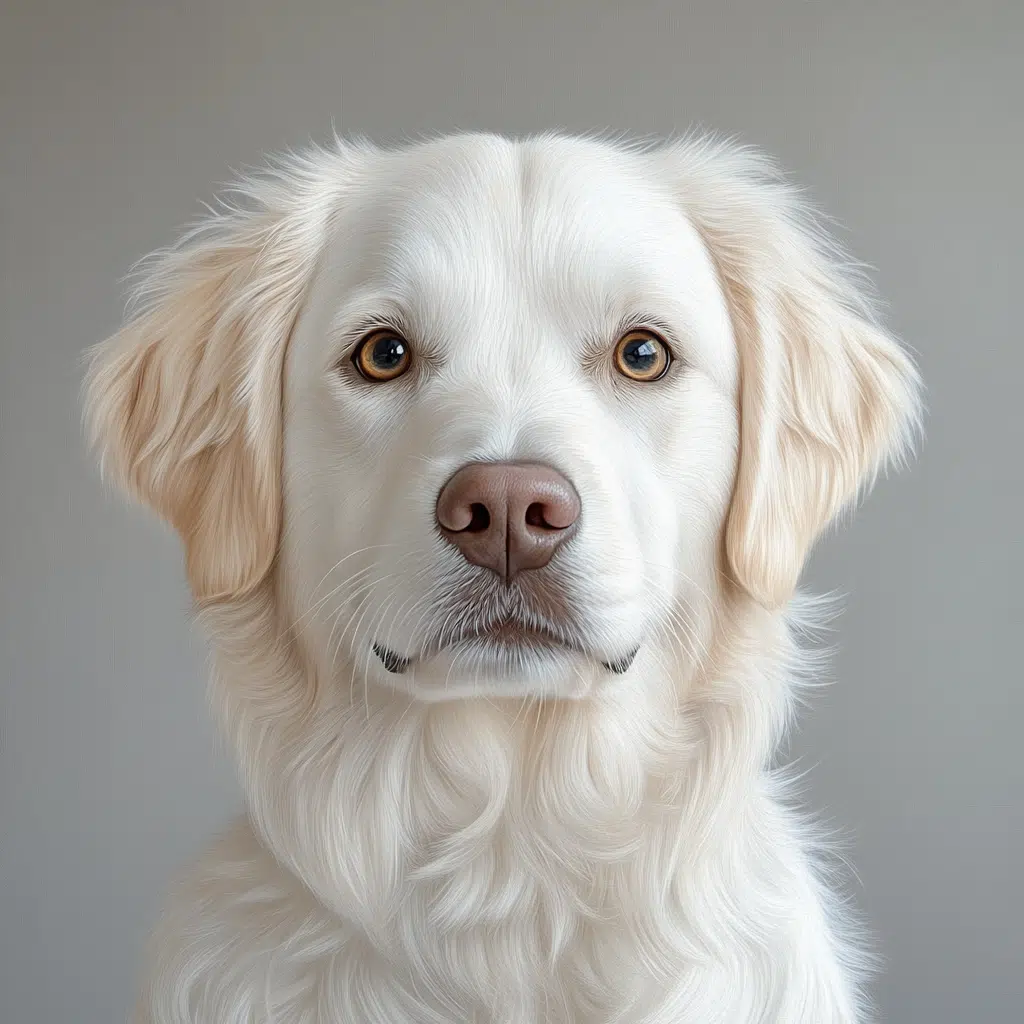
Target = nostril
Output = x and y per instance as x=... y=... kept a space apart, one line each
x=535 y=517
x=480 y=518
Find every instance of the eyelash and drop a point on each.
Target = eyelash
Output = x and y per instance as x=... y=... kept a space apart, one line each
x=598 y=348
x=354 y=335
x=647 y=323
x=596 y=353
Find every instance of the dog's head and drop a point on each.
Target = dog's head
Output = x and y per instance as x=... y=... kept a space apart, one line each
x=501 y=417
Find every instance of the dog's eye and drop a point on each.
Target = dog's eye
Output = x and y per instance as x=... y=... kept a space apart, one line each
x=641 y=355
x=382 y=356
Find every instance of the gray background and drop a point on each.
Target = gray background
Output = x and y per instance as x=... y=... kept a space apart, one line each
x=905 y=119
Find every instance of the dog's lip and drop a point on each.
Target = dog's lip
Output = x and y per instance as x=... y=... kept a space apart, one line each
x=622 y=664
x=512 y=631
x=505 y=633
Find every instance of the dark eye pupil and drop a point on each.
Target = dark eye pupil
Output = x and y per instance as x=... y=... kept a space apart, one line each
x=641 y=354
x=388 y=353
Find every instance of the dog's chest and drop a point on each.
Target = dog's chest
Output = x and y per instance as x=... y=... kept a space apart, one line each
x=544 y=897
x=473 y=893
x=529 y=926
x=524 y=933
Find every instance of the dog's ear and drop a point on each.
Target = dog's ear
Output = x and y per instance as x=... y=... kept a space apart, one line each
x=184 y=401
x=827 y=396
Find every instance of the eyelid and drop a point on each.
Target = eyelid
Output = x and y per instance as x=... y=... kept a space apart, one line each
x=349 y=332
x=652 y=324
x=355 y=333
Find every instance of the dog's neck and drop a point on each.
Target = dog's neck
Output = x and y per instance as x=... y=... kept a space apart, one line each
x=363 y=792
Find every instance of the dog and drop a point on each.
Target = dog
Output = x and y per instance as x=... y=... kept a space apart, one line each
x=496 y=463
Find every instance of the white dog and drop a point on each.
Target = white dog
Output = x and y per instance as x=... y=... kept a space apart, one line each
x=496 y=463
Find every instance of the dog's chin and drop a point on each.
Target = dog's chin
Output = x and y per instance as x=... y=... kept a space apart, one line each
x=499 y=666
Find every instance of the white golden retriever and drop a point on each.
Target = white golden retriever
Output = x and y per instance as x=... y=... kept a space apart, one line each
x=496 y=463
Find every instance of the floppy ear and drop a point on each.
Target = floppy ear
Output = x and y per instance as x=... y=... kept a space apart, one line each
x=185 y=400
x=827 y=397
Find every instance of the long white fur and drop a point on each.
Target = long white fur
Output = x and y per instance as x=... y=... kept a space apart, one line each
x=463 y=844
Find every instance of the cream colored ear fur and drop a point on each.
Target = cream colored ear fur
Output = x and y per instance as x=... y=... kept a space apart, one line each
x=827 y=396
x=184 y=401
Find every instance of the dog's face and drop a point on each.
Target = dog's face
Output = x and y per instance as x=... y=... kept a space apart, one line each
x=510 y=422
x=502 y=418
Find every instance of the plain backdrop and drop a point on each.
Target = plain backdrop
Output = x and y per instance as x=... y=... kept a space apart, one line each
x=904 y=119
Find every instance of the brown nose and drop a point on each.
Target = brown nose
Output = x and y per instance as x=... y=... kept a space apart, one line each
x=507 y=516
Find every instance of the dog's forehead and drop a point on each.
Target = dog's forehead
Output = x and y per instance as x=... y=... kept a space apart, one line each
x=485 y=184
x=541 y=211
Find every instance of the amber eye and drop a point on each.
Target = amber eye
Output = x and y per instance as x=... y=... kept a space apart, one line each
x=382 y=356
x=642 y=355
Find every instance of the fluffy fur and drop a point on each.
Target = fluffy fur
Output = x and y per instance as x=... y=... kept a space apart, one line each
x=475 y=840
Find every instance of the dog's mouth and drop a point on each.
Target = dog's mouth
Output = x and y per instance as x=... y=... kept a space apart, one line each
x=508 y=638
